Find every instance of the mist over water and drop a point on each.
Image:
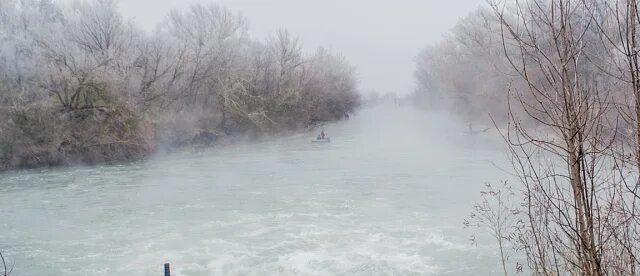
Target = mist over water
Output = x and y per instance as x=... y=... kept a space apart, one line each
x=387 y=196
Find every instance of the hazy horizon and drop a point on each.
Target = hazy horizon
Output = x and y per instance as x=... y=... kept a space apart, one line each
x=381 y=41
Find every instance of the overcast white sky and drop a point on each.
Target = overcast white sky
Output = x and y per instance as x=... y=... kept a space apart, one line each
x=379 y=37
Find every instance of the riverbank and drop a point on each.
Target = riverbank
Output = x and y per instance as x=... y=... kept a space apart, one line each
x=46 y=136
x=41 y=135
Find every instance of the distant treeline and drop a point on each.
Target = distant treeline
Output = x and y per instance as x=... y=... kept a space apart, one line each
x=466 y=72
x=79 y=83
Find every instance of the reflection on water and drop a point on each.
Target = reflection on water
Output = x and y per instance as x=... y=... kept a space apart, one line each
x=387 y=196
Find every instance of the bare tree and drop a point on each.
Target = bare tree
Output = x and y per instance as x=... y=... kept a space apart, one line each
x=82 y=60
x=570 y=107
x=495 y=215
x=211 y=37
x=6 y=271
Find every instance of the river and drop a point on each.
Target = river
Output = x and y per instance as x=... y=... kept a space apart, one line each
x=387 y=196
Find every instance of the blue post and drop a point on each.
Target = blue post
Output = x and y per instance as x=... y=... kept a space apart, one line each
x=167 y=270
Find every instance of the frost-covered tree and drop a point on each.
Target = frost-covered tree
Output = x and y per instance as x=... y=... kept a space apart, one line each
x=466 y=72
x=78 y=81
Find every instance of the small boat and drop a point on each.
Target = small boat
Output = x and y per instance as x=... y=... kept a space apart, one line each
x=321 y=140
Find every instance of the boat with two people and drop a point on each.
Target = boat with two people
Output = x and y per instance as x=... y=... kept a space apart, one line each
x=321 y=138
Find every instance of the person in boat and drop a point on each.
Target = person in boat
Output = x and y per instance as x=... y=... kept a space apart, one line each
x=321 y=136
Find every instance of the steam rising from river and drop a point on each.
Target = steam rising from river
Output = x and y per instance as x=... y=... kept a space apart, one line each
x=386 y=196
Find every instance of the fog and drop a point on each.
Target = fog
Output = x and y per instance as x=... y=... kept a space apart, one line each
x=385 y=197
x=139 y=133
x=249 y=137
x=380 y=37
